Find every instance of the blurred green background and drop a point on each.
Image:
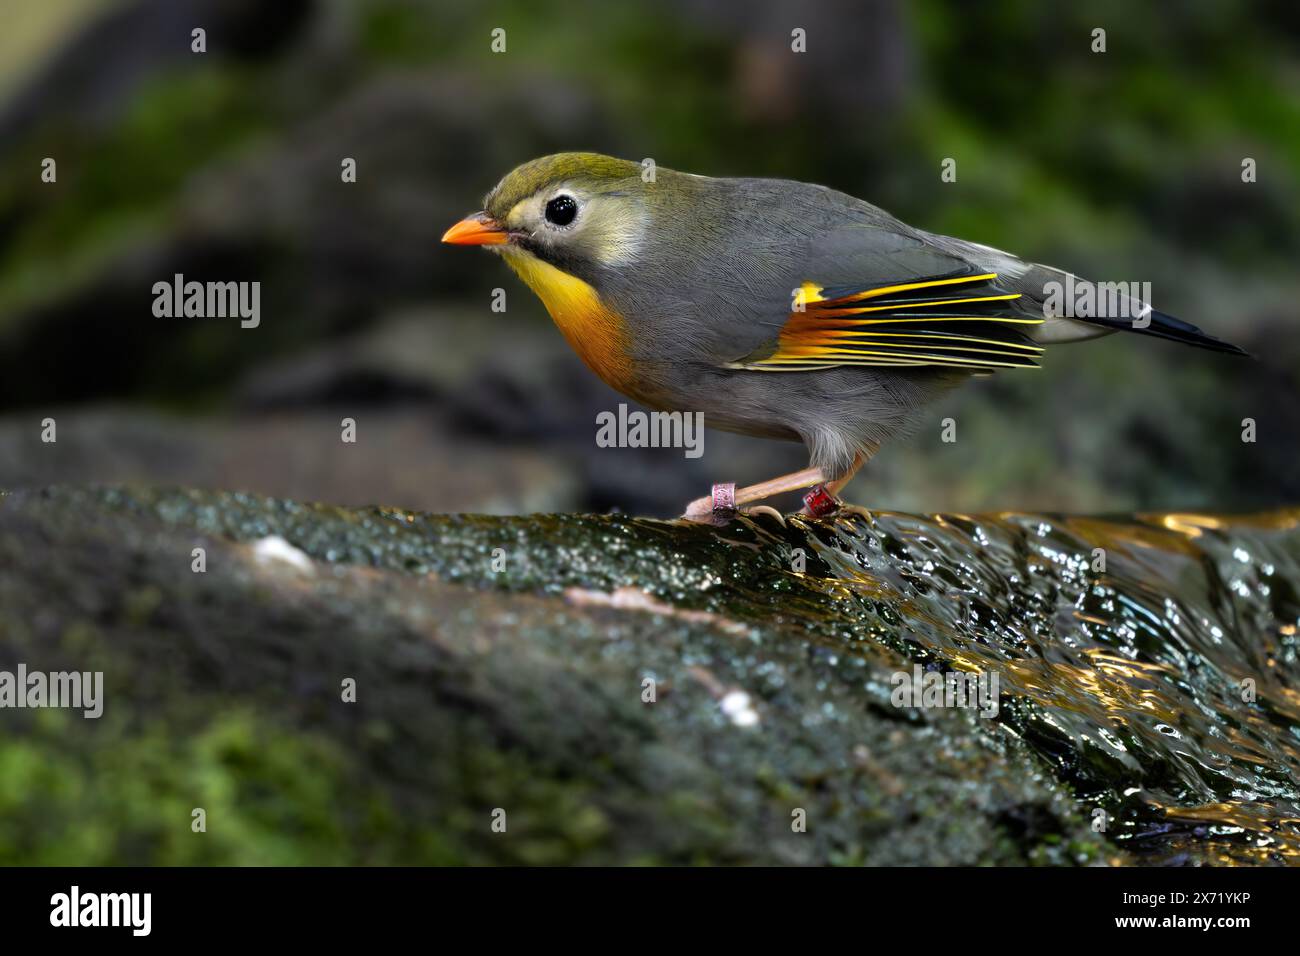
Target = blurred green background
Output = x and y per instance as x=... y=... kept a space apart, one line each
x=1123 y=165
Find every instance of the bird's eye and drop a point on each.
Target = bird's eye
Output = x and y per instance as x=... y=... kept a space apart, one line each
x=561 y=210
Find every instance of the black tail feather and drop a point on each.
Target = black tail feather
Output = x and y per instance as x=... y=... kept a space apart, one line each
x=1165 y=326
x=1168 y=327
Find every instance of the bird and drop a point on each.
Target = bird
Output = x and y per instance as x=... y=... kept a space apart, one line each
x=780 y=309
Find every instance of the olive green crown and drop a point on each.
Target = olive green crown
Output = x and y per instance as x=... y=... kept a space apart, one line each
x=525 y=180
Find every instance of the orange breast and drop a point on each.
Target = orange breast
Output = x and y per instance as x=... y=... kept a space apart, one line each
x=593 y=330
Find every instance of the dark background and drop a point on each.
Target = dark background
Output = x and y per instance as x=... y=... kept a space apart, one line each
x=1122 y=166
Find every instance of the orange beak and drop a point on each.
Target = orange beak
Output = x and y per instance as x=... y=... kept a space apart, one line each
x=479 y=229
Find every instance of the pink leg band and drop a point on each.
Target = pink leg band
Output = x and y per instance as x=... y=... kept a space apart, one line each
x=724 y=500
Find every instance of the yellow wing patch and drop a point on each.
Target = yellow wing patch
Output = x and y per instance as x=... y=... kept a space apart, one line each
x=947 y=321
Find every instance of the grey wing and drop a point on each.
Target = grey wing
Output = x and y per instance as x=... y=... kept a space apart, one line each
x=885 y=295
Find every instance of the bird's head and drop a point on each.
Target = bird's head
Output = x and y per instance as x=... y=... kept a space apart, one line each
x=584 y=232
x=579 y=212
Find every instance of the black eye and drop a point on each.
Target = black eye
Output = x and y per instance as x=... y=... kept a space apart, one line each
x=561 y=210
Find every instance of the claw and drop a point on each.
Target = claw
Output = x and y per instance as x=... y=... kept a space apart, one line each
x=766 y=510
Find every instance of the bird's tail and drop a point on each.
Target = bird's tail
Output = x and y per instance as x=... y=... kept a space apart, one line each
x=1165 y=326
x=1104 y=310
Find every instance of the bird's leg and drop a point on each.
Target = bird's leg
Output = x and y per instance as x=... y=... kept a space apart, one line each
x=840 y=483
x=714 y=506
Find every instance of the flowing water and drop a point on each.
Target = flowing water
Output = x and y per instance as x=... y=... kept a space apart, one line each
x=1151 y=660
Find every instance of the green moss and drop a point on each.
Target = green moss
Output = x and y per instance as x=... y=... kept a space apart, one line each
x=272 y=796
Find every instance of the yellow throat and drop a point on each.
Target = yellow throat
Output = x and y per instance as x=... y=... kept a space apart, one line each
x=593 y=330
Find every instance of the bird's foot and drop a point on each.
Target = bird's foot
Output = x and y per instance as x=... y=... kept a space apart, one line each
x=705 y=511
x=725 y=500
x=718 y=508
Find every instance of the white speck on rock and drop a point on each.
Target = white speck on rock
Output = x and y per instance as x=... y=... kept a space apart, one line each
x=739 y=708
x=275 y=548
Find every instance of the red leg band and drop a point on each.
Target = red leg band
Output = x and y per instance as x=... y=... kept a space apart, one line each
x=820 y=502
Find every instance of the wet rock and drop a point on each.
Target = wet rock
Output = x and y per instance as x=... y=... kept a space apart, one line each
x=490 y=674
x=1144 y=668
